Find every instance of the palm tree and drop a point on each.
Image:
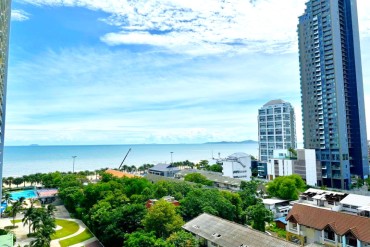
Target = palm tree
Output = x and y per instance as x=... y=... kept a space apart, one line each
x=16 y=208
x=25 y=179
x=29 y=214
x=9 y=181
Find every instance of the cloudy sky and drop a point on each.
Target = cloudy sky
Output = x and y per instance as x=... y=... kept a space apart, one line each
x=158 y=71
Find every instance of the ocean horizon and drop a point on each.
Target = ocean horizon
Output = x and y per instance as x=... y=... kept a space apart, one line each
x=24 y=160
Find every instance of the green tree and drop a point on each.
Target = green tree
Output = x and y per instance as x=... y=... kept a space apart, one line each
x=182 y=239
x=214 y=168
x=141 y=238
x=16 y=208
x=198 y=178
x=210 y=201
x=29 y=214
x=258 y=215
x=43 y=223
x=286 y=187
x=17 y=181
x=248 y=193
x=203 y=164
x=162 y=219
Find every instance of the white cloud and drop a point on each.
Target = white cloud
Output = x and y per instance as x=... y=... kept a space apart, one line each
x=20 y=15
x=95 y=95
x=204 y=27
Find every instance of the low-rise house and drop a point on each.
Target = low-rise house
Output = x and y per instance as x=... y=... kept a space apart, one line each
x=279 y=207
x=218 y=180
x=169 y=199
x=323 y=198
x=311 y=224
x=165 y=170
x=281 y=222
x=213 y=231
x=356 y=204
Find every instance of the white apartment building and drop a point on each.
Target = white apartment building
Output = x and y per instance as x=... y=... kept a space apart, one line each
x=237 y=165
x=276 y=128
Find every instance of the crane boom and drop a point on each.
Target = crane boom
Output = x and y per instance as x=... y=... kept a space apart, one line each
x=120 y=167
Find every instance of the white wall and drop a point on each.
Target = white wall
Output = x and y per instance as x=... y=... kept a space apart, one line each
x=311 y=175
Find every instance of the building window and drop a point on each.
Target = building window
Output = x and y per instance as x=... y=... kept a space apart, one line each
x=329 y=234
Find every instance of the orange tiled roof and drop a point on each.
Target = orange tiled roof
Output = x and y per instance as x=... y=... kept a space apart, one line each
x=341 y=223
x=120 y=174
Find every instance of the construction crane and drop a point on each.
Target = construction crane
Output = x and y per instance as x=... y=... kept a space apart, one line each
x=120 y=167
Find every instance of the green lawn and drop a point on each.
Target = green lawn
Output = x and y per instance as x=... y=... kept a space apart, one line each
x=16 y=221
x=68 y=228
x=85 y=235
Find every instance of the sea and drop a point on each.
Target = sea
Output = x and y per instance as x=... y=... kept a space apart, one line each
x=24 y=160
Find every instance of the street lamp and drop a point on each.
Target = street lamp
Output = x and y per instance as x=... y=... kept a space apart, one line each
x=74 y=158
x=171 y=158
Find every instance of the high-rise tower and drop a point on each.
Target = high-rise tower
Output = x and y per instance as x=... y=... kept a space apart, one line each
x=332 y=91
x=276 y=128
x=4 y=44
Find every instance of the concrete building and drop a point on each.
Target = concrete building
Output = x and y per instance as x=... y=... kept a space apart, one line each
x=213 y=231
x=309 y=224
x=276 y=128
x=237 y=165
x=279 y=207
x=165 y=170
x=5 y=7
x=332 y=90
x=284 y=163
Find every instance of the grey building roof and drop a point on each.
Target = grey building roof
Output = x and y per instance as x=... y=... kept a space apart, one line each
x=163 y=168
x=213 y=176
x=274 y=102
x=225 y=233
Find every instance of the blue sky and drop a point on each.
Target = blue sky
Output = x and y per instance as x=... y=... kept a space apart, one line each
x=159 y=71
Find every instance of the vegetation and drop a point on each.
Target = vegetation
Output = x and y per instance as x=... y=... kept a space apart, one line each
x=286 y=187
x=68 y=227
x=114 y=208
x=198 y=178
x=281 y=233
x=83 y=236
x=43 y=225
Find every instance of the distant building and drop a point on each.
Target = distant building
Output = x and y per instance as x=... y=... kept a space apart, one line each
x=279 y=207
x=213 y=231
x=276 y=128
x=284 y=163
x=165 y=170
x=218 y=180
x=5 y=9
x=309 y=224
x=169 y=199
x=237 y=165
x=322 y=198
x=333 y=108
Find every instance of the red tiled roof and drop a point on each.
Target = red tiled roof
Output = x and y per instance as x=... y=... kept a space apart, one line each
x=341 y=223
x=120 y=174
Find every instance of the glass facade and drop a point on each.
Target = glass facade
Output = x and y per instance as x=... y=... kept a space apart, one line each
x=276 y=121
x=4 y=44
x=332 y=91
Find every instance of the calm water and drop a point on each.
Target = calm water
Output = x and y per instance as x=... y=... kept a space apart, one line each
x=23 y=193
x=25 y=160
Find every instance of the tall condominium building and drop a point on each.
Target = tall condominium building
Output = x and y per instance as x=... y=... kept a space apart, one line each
x=4 y=44
x=332 y=92
x=276 y=128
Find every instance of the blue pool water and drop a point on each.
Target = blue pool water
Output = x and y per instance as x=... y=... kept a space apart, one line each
x=23 y=193
x=3 y=206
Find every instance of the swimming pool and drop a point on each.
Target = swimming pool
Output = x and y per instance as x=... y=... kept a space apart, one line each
x=23 y=193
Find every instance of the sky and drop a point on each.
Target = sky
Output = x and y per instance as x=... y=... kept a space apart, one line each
x=158 y=71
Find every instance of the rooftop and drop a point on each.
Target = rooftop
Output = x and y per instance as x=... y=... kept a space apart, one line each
x=229 y=234
x=163 y=167
x=340 y=223
x=324 y=195
x=119 y=174
x=356 y=200
x=213 y=176
x=275 y=102
x=271 y=201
